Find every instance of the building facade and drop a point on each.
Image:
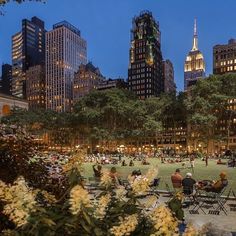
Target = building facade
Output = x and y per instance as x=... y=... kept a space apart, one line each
x=86 y=79
x=224 y=61
x=194 y=67
x=66 y=50
x=113 y=83
x=145 y=75
x=28 y=49
x=224 y=58
x=9 y=102
x=6 y=79
x=35 y=87
x=168 y=71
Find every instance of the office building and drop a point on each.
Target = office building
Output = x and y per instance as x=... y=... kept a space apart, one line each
x=28 y=49
x=119 y=83
x=145 y=75
x=86 y=79
x=224 y=58
x=6 y=79
x=168 y=71
x=194 y=67
x=35 y=87
x=66 y=50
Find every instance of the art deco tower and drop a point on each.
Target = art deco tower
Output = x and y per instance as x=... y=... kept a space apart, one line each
x=145 y=74
x=194 y=67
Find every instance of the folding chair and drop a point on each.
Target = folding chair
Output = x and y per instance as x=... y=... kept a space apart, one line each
x=169 y=192
x=188 y=200
x=212 y=201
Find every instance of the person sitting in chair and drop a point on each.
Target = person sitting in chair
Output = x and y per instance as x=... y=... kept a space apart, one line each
x=188 y=184
x=217 y=186
x=97 y=172
x=176 y=180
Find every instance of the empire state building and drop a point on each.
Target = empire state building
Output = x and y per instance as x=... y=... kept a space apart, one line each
x=194 y=67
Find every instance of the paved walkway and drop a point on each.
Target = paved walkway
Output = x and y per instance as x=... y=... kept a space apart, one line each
x=226 y=223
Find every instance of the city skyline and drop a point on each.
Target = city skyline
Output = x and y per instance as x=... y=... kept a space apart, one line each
x=109 y=41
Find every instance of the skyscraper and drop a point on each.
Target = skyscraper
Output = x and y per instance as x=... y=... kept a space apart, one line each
x=168 y=71
x=66 y=50
x=145 y=75
x=224 y=58
x=28 y=49
x=6 y=79
x=194 y=67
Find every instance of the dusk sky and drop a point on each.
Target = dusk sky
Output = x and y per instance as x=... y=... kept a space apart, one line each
x=106 y=24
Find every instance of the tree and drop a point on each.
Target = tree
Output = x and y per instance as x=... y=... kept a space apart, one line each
x=207 y=106
x=4 y=2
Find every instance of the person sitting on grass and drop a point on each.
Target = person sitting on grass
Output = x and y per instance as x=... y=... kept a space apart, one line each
x=145 y=162
x=131 y=163
x=123 y=163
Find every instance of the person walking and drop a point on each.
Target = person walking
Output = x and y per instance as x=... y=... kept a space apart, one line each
x=206 y=160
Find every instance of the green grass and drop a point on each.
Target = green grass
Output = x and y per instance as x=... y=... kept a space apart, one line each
x=201 y=172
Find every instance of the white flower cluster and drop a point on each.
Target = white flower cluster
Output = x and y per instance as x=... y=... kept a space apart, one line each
x=126 y=227
x=19 y=199
x=102 y=204
x=140 y=185
x=106 y=180
x=190 y=231
x=152 y=173
x=120 y=192
x=164 y=222
x=78 y=197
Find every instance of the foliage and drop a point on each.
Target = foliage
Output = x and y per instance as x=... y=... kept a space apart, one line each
x=4 y=2
x=112 y=212
x=114 y=117
x=175 y=204
x=207 y=105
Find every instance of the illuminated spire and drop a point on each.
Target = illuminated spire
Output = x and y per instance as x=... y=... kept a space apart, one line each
x=195 y=39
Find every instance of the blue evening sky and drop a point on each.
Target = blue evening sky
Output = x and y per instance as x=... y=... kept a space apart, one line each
x=106 y=24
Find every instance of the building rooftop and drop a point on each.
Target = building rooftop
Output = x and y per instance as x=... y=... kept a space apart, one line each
x=2 y=95
x=68 y=26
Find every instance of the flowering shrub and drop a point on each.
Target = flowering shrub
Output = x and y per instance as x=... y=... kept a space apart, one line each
x=29 y=207
x=19 y=201
x=126 y=226
x=79 y=198
x=112 y=212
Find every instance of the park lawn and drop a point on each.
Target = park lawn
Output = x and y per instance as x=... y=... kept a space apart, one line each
x=201 y=172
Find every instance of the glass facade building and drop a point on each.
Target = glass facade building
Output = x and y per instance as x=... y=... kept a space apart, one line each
x=66 y=50
x=28 y=49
